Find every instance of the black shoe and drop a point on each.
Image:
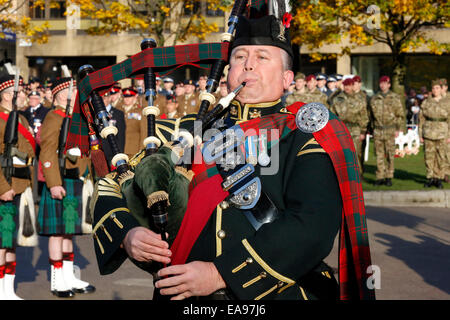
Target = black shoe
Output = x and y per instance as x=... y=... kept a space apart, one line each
x=88 y=289
x=438 y=183
x=388 y=182
x=429 y=183
x=379 y=182
x=63 y=294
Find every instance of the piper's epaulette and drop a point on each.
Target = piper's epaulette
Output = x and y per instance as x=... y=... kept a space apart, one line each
x=285 y=110
x=167 y=129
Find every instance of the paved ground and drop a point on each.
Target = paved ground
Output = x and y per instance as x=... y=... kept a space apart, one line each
x=411 y=245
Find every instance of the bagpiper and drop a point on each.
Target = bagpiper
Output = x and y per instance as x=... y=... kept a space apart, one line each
x=240 y=234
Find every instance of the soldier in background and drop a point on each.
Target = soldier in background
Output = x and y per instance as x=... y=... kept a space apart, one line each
x=189 y=102
x=133 y=116
x=115 y=94
x=179 y=89
x=353 y=112
x=313 y=94
x=338 y=89
x=222 y=91
x=171 y=108
x=117 y=119
x=12 y=191
x=321 y=82
x=62 y=211
x=339 y=80
x=168 y=86
x=34 y=84
x=158 y=85
x=388 y=120
x=48 y=97
x=202 y=83
x=433 y=131
x=362 y=95
x=299 y=93
x=331 y=85
x=446 y=97
x=36 y=112
x=444 y=87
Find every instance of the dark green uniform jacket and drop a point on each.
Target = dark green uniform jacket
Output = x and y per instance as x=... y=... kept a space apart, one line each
x=282 y=259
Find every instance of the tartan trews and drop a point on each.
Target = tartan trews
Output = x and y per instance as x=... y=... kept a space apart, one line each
x=60 y=217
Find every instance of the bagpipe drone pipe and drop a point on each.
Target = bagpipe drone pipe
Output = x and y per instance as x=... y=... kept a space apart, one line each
x=153 y=186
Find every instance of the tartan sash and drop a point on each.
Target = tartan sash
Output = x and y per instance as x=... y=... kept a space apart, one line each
x=354 y=250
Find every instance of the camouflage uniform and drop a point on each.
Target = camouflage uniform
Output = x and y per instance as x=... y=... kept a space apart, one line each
x=332 y=96
x=388 y=117
x=362 y=95
x=433 y=127
x=297 y=95
x=316 y=96
x=446 y=101
x=353 y=112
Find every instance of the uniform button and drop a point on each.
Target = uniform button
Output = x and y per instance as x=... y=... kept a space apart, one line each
x=224 y=205
x=249 y=260
x=263 y=274
x=221 y=234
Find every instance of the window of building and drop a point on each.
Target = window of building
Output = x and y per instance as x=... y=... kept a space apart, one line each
x=57 y=10
x=50 y=10
x=36 y=12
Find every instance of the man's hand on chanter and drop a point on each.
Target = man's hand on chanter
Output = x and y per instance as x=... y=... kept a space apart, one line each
x=142 y=244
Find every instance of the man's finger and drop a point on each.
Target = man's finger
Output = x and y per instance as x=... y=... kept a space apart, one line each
x=152 y=249
x=150 y=238
x=157 y=258
x=170 y=282
x=172 y=270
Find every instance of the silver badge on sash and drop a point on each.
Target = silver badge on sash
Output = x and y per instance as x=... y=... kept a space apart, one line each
x=312 y=117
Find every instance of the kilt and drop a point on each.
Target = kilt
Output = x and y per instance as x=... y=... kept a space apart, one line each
x=53 y=213
x=9 y=222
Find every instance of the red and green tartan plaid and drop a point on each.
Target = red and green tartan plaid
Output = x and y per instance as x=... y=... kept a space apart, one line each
x=354 y=250
x=163 y=60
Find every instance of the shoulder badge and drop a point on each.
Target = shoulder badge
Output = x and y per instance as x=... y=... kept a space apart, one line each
x=312 y=117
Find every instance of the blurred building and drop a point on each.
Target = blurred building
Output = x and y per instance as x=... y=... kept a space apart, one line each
x=69 y=44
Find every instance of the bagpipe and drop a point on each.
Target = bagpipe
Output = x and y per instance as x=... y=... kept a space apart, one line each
x=160 y=169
